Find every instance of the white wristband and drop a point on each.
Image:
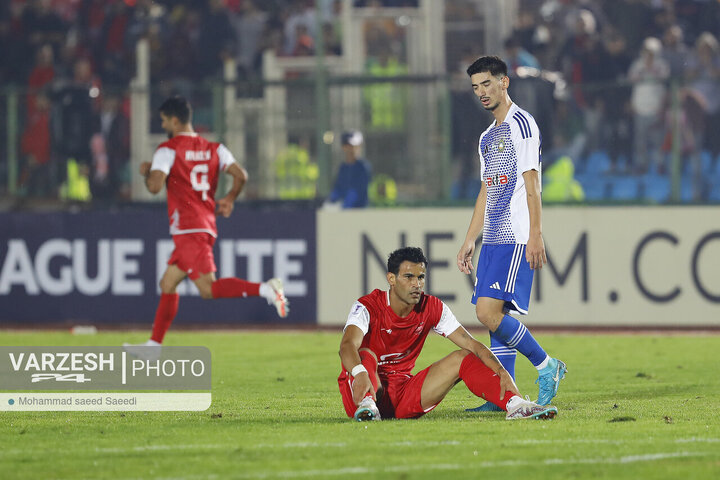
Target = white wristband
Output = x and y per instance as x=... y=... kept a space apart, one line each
x=357 y=369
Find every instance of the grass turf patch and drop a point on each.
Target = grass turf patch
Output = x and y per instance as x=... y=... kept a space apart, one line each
x=631 y=406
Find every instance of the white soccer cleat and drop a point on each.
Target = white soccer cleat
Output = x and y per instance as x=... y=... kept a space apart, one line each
x=278 y=299
x=522 y=409
x=145 y=351
x=367 y=411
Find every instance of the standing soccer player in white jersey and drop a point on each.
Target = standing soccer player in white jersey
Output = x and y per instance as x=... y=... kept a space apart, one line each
x=190 y=167
x=508 y=212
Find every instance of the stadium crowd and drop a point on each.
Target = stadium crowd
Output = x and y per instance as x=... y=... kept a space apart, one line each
x=619 y=60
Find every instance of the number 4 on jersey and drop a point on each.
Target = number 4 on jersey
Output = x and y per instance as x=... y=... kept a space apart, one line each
x=199 y=179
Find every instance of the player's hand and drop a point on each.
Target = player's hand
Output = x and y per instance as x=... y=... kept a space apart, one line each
x=507 y=384
x=145 y=169
x=535 y=252
x=360 y=386
x=464 y=257
x=225 y=207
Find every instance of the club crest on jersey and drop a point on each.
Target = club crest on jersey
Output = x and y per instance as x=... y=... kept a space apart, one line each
x=501 y=144
x=419 y=329
x=496 y=180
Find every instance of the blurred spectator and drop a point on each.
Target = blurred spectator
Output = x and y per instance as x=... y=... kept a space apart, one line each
x=41 y=25
x=302 y=20
x=350 y=189
x=112 y=55
x=516 y=56
x=37 y=175
x=675 y=52
x=40 y=76
x=703 y=73
x=249 y=27
x=616 y=130
x=217 y=39
x=648 y=74
x=72 y=117
x=110 y=180
x=304 y=43
x=582 y=60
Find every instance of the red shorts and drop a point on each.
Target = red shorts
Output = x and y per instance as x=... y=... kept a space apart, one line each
x=400 y=396
x=193 y=254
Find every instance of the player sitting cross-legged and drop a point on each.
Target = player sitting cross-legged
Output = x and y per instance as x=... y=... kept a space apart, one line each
x=383 y=337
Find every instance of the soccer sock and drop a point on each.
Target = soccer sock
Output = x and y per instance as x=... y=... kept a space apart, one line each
x=514 y=334
x=164 y=315
x=370 y=365
x=234 y=287
x=482 y=381
x=505 y=354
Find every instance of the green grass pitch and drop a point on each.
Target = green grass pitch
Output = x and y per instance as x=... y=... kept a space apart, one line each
x=631 y=406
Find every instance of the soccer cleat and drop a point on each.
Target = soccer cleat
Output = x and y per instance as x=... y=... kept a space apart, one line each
x=549 y=380
x=144 y=351
x=281 y=303
x=527 y=409
x=485 y=407
x=367 y=411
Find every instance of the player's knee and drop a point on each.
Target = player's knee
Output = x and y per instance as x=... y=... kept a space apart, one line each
x=166 y=286
x=206 y=293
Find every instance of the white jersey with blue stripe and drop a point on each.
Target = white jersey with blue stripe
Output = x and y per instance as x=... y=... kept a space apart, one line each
x=506 y=152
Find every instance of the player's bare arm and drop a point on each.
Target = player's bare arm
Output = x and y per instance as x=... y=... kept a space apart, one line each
x=535 y=250
x=464 y=257
x=225 y=205
x=350 y=357
x=463 y=339
x=154 y=179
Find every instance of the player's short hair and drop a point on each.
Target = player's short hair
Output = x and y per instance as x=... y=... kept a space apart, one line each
x=405 y=254
x=178 y=107
x=489 y=63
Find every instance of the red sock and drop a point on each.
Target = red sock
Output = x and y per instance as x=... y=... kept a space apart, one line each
x=482 y=381
x=370 y=365
x=164 y=315
x=234 y=287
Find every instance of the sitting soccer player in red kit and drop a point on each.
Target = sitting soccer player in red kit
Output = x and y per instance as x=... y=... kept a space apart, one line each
x=383 y=337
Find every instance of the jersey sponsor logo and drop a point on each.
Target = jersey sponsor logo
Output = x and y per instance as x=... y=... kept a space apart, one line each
x=197 y=155
x=494 y=181
x=392 y=357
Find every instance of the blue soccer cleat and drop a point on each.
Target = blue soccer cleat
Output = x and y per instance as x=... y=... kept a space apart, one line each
x=485 y=407
x=549 y=380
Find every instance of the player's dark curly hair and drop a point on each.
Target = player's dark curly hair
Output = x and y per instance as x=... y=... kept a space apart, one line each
x=177 y=107
x=490 y=63
x=405 y=254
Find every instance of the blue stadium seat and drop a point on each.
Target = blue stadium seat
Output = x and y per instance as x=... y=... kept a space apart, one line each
x=656 y=188
x=594 y=186
x=624 y=187
x=597 y=162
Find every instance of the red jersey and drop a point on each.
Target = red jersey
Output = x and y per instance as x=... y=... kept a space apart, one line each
x=397 y=341
x=192 y=165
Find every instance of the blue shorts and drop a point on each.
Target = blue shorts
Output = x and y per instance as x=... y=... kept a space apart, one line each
x=504 y=273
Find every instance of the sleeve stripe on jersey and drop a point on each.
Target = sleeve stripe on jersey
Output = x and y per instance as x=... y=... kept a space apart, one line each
x=523 y=124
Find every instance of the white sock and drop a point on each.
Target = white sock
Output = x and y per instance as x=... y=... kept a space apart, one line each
x=151 y=343
x=267 y=291
x=544 y=363
x=513 y=402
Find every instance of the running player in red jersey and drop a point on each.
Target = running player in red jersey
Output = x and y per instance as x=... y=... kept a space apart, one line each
x=190 y=166
x=383 y=337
